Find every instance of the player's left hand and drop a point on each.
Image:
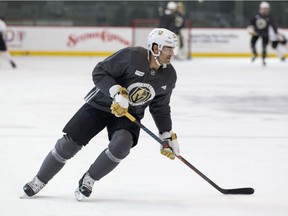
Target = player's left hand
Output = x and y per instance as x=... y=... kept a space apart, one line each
x=280 y=37
x=170 y=148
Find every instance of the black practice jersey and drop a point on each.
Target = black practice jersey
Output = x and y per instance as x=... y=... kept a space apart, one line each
x=3 y=46
x=173 y=22
x=129 y=68
x=262 y=23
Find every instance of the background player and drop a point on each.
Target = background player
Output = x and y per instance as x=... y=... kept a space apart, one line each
x=3 y=46
x=173 y=19
x=279 y=44
x=259 y=27
x=167 y=19
x=131 y=79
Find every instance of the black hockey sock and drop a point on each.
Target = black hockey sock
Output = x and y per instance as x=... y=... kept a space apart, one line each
x=49 y=168
x=254 y=51
x=102 y=166
x=119 y=147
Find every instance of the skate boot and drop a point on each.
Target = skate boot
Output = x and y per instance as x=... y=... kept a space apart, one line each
x=85 y=187
x=13 y=64
x=33 y=187
x=254 y=58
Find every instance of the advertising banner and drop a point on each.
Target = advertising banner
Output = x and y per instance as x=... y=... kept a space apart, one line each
x=103 y=41
x=65 y=40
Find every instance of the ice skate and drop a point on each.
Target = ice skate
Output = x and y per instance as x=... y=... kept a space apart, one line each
x=78 y=195
x=253 y=58
x=13 y=64
x=33 y=187
x=85 y=187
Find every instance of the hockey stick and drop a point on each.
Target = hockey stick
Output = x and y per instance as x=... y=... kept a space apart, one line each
x=247 y=190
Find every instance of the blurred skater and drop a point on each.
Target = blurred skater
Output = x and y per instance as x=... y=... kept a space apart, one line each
x=173 y=19
x=3 y=46
x=259 y=27
x=279 y=44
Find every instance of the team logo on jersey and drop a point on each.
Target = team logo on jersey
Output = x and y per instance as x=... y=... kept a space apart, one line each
x=179 y=21
x=261 y=23
x=140 y=93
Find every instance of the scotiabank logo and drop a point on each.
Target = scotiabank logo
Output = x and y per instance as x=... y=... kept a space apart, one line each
x=104 y=36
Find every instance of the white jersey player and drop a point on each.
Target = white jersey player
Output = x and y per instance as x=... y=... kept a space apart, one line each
x=279 y=43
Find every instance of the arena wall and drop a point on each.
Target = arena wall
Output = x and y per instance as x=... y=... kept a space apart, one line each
x=103 y=41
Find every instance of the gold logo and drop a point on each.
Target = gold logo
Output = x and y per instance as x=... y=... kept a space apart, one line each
x=140 y=93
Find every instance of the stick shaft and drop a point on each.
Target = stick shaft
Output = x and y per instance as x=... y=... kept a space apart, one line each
x=224 y=191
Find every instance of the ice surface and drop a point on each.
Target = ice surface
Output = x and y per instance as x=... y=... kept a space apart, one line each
x=231 y=117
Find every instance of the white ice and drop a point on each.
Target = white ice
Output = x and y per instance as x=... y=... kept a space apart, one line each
x=231 y=117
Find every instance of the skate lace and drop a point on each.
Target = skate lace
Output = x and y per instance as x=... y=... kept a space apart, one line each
x=36 y=184
x=88 y=182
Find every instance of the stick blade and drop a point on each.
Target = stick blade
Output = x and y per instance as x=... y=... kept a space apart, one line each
x=246 y=191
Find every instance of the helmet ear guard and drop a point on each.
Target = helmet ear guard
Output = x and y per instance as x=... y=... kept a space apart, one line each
x=151 y=50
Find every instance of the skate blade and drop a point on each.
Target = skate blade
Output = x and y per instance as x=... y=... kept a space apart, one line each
x=78 y=195
x=24 y=196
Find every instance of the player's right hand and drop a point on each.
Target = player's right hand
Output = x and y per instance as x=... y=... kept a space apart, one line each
x=280 y=37
x=120 y=102
x=170 y=147
x=251 y=30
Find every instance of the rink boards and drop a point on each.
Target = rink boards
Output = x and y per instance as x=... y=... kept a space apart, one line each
x=103 y=41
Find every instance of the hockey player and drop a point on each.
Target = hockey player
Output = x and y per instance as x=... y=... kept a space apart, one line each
x=279 y=44
x=130 y=80
x=3 y=46
x=259 y=27
x=180 y=22
x=167 y=20
x=173 y=20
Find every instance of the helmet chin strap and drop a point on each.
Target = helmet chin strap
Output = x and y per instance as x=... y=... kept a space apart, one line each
x=157 y=61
